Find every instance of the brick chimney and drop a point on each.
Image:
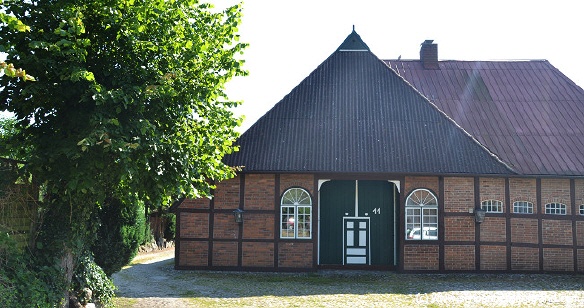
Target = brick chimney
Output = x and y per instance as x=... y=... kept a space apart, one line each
x=429 y=55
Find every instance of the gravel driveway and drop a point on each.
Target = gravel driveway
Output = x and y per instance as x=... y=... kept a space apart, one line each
x=152 y=282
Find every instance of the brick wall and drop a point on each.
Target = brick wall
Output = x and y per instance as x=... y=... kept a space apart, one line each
x=224 y=226
x=492 y=189
x=200 y=203
x=258 y=254
x=225 y=253
x=555 y=190
x=305 y=181
x=459 y=257
x=258 y=226
x=558 y=259
x=421 y=257
x=493 y=229
x=194 y=225
x=524 y=258
x=259 y=192
x=524 y=230
x=557 y=232
x=458 y=246
x=292 y=254
x=523 y=190
x=580 y=233
x=227 y=194
x=459 y=228
x=580 y=253
x=427 y=182
x=493 y=258
x=579 y=185
x=193 y=253
x=458 y=194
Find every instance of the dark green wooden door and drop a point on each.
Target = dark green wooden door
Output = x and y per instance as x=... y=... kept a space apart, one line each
x=337 y=198
x=374 y=200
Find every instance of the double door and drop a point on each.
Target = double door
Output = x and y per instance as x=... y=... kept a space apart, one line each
x=357 y=224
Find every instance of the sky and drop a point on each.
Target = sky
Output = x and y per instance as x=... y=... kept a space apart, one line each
x=289 y=39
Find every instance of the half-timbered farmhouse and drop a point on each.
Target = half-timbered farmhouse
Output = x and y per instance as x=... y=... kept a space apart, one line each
x=410 y=165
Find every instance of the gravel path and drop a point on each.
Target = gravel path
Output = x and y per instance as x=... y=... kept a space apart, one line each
x=152 y=282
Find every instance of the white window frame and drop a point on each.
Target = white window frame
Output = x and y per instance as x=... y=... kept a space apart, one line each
x=555 y=208
x=582 y=209
x=523 y=207
x=296 y=210
x=492 y=206
x=421 y=216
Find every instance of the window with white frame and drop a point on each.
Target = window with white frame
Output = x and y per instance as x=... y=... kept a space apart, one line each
x=492 y=206
x=421 y=215
x=522 y=207
x=296 y=214
x=582 y=209
x=555 y=208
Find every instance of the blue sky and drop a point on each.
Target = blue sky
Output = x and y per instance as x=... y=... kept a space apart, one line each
x=289 y=39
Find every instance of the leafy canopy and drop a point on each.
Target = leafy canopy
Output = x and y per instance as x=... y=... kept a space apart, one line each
x=129 y=97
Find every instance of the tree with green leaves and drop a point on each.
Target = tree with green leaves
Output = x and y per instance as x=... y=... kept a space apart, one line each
x=13 y=24
x=128 y=103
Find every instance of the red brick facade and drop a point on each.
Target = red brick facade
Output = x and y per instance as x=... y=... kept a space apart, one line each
x=208 y=237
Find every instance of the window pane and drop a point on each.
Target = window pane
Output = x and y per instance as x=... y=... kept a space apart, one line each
x=303 y=223
x=296 y=213
x=421 y=216
x=523 y=207
x=555 y=208
x=296 y=196
x=287 y=222
x=492 y=206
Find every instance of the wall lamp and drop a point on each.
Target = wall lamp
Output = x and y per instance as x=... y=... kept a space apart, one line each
x=238 y=214
x=479 y=215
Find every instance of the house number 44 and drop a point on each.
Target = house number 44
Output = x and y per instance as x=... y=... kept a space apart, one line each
x=377 y=211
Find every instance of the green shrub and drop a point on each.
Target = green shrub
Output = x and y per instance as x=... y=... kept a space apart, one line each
x=24 y=283
x=170 y=230
x=89 y=275
x=121 y=232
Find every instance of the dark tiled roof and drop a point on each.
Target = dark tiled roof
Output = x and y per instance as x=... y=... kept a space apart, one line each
x=354 y=114
x=527 y=112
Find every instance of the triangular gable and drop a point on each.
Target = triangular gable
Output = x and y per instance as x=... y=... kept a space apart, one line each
x=354 y=114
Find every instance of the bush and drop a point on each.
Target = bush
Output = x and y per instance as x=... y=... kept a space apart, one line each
x=170 y=230
x=89 y=275
x=23 y=283
x=121 y=232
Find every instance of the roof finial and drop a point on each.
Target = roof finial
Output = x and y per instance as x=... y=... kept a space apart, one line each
x=353 y=28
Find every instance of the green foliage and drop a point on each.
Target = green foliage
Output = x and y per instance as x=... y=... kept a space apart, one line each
x=12 y=23
x=170 y=230
x=89 y=275
x=129 y=101
x=121 y=232
x=127 y=91
x=22 y=282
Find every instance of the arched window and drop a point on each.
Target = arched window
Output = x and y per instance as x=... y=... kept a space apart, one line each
x=296 y=214
x=492 y=206
x=421 y=215
x=522 y=207
x=555 y=208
